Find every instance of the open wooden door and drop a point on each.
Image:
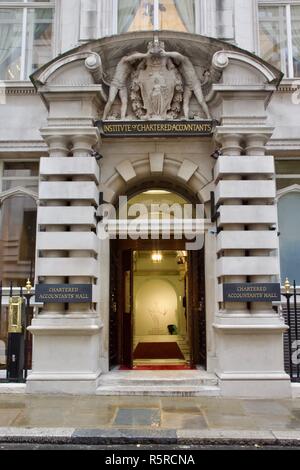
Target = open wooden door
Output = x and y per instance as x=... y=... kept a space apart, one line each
x=113 y=308
x=196 y=309
x=126 y=308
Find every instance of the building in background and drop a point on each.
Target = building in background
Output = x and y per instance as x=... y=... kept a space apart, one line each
x=49 y=196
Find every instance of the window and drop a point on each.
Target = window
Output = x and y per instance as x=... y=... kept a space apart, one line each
x=20 y=174
x=26 y=32
x=152 y=15
x=287 y=172
x=279 y=27
x=289 y=226
x=18 y=221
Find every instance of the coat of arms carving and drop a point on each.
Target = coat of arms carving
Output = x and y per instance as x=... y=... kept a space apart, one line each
x=159 y=84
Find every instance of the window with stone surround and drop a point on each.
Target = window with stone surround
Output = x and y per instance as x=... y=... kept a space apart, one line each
x=100 y=18
x=26 y=37
x=18 y=217
x=279 y=31
x=149 y=15
x=20 y=174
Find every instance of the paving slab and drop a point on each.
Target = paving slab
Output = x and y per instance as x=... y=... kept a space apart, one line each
x=137 y=417
x=109 y=420
x=183 y=420
x=265 y=407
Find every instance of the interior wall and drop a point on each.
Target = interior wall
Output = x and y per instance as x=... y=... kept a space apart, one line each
x=158 y=297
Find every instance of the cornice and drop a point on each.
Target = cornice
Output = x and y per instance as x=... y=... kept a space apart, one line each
x=289 y=86
x=20 y=146
x=18 y=88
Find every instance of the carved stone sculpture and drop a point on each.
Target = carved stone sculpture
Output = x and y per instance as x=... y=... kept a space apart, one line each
x=192 y=83
x=158 y=82
x=156 y=87
x=119 y=83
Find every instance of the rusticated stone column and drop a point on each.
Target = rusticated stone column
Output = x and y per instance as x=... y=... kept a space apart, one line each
x=82 y=148
x=231 y=148
x=58 y=148
x=256 y=147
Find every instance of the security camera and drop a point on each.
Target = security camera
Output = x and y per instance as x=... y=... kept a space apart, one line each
x=96 y=155
x=217 y=153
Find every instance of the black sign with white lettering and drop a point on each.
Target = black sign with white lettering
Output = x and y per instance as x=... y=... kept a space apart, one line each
x=64 y=293
x=251 y=292
x=155 y=128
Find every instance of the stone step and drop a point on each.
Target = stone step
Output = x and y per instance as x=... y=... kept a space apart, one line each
x=158 y=391
x=159 y=383
x=12 y=388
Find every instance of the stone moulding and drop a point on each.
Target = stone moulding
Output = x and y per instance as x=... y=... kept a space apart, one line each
x=250 y=329
x=63 y=377
x=221 y=59
x=87 y=330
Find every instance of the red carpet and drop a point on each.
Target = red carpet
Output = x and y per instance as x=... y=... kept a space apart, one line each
x=184 y=367
x=158 y=351
x=158 y=367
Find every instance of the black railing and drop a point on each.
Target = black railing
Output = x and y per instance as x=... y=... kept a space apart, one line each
x=17 y=345
x=291 y=313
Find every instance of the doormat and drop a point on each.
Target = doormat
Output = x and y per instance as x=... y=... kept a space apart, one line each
x=157 y=351
x=184 y=367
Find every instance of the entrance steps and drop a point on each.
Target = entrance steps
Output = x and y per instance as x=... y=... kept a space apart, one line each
x=186 y=383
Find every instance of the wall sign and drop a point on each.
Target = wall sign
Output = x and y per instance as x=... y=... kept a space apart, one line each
x=64 y=293
x=251 y=292
x=155 y=128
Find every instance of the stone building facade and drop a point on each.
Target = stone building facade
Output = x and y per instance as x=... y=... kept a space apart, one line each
x=228 y=67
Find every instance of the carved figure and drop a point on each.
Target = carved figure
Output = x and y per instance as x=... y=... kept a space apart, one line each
x=119 y=83
x=192 y=83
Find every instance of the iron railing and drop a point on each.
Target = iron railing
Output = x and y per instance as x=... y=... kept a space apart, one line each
x=291 y=313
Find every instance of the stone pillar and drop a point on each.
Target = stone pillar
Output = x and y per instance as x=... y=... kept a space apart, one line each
x=58 y=148
x=256 y=147
x=82 y=147
x=66 y=353
x=232 y=147
x=249 y=337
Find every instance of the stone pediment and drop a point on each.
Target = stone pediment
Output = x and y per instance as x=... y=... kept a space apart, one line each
x=147 y=96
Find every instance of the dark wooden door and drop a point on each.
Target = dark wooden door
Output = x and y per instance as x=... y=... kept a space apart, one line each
x=126 y=308
x=113 y=308
x=196 y=308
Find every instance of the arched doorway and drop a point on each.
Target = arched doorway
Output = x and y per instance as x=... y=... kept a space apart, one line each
x=157 y=294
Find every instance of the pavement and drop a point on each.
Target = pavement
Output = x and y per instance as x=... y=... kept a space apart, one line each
x=98 y=420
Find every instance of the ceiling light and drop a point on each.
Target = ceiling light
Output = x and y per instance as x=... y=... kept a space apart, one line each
x=157 y=191
x=156 y=257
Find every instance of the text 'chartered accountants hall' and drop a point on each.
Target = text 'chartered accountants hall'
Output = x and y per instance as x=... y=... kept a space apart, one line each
x=150 y=188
